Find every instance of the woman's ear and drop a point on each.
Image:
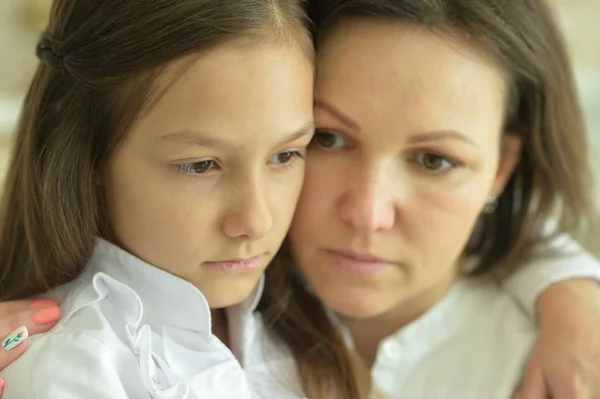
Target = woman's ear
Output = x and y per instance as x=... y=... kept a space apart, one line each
x=510 y=154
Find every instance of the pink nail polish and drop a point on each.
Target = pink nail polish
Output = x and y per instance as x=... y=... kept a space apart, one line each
x=43 y=303
x=1 y=382
x=47 y=315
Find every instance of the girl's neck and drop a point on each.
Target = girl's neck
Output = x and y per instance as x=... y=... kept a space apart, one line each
x=219 y=325
x=369 y=332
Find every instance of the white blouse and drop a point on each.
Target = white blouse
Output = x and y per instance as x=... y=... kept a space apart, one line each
x=475 y=342
x=130 y=330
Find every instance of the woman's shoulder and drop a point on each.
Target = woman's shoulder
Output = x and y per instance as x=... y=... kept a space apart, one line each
x=491 y=341
x=485 y=303
x=478 y=330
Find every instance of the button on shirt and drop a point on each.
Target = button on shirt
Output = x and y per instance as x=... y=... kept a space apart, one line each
x=131 y=330
x=473 y=344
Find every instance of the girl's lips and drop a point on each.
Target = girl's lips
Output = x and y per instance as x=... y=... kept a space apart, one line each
x=236 y=265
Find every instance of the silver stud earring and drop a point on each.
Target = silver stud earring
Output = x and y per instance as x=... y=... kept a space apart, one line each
x=490 y=205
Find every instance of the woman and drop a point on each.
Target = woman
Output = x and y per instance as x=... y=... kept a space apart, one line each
x=447 y=135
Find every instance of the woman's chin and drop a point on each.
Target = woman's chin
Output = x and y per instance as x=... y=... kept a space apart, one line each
x=355 y=303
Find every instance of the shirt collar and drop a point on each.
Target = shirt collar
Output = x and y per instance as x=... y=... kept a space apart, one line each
x=166 y=299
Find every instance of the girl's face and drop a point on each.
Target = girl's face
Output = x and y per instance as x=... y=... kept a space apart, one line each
x=407 y=150
x=206 y=182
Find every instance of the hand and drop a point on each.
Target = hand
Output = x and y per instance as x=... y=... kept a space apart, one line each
x=565 y=361
x=36 y=316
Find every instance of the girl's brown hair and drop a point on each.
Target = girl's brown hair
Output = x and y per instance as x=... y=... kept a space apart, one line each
x=553 y=178
x=101 y=58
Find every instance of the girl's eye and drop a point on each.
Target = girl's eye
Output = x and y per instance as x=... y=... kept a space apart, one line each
x=433 y=162
x=197 y=168
x=329 y=140
x=285 y=158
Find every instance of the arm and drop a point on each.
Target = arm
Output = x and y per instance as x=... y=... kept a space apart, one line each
x=563 y=294
x=571 y=262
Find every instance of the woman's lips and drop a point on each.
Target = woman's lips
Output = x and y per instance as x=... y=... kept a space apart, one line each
x=365 y=265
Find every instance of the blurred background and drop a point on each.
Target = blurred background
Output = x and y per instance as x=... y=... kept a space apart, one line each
x=21 y=22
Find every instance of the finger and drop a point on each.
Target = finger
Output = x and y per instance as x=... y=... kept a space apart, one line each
x=518 y=395
x=9 y=356
x=11 y=307
x=36 y=320
x=1 y=387
x=534 y=386
x=569 y=386
x=26 y=322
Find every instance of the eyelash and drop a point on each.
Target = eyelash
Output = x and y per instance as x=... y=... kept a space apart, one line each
x=295 y=154
x=187 y=169
x=327 y=134
x=452 y=163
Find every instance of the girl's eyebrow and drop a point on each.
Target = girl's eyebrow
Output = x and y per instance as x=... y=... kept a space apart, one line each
x=200 y=139
x=307 y=129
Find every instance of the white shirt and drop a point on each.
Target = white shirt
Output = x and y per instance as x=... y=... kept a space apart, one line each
x=474 y=343
x=562 y=258
x=130 y=330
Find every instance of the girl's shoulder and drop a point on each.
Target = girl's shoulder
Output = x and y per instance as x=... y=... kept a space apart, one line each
x=73 y=360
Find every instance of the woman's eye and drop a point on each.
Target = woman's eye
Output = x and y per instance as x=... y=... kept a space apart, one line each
x=434 y=162
x=285 y=158
x=329 y=140
x=197 y=168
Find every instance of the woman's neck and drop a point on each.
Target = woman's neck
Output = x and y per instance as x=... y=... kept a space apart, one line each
x=368 y=333
x=219 y=325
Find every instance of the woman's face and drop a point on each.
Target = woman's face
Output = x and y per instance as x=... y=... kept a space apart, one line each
x=206 y=182
x=407 y=149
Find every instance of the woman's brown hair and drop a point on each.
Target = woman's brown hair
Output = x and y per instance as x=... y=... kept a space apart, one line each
x=101 y=58
x=552 y=181
x=553 y=177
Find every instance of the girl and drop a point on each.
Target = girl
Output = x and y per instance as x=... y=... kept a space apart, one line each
x=450 y=135
x=157 y=166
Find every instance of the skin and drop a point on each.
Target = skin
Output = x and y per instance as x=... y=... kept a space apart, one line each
x=212 y=171
x=409 y=131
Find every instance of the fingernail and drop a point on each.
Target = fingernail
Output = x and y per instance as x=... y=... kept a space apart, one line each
x=43 y=303
x=15 y=338
x=1 y=382
x=47 y=315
